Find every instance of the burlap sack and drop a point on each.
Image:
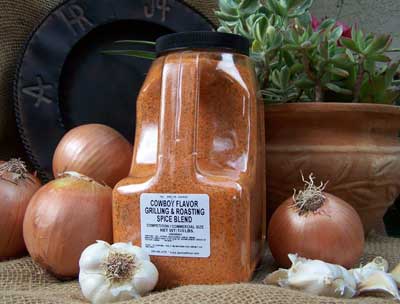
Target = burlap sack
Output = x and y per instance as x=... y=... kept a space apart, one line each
x=18 y=18
x=22 y=281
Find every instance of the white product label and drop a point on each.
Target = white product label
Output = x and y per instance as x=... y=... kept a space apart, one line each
x=175 y=224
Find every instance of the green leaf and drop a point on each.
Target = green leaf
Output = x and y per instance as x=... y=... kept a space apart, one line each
x=369 y=66
x=359 y=39
x=304 y=20
x=248 y=7
x=277 y=8
x=368 y=38
x=275 y=78
x=392 y=94
x=263 y=10
x=335 y=88
x=379 y=58
x=276 y=43
x=257 y=46
x=291 y=47
x=391 y=72
x=131 y=53
x=304 y=83
x=251 y=20
x=351 y=57
x=375 y=90
x=300 y=10
x=239 y=29
x=327 y=23
x=260 y=29
x=336 y=34
x=293 y=38
x=284 y=77
x=378 y=44
x=338 y=72
x=350 y=44
x=228 y=7
x=230 y=24
x=324 y=51
x=353 y=31
x=296 y=68
x=288 y=58
x=145 y=42
x=226 y=17
x=224 y=29
x=306 y=44
x=341 y=60
x=292 y=3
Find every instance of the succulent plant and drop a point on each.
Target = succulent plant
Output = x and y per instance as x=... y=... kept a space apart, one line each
x=298 y=62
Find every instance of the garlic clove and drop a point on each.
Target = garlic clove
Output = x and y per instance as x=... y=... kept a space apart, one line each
x=138 y=252
x=145 y=278
x=396 y=275
x=379 y=283
x=294 y=258
x=279 y=277
x=96 y=288
x=378 y=263
x=344 y=288
x=316 y=277
x=104 y=295
x=362 y=273
x=91 y=284
x=93 y=256
x=118 y=289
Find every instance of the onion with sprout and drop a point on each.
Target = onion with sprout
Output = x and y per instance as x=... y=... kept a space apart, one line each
x=17 y=186
x=316 y=225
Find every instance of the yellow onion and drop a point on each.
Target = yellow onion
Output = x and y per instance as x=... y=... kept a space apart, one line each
x=94 y=150
x=316 y=225
x=63 y=218
x=17 y=187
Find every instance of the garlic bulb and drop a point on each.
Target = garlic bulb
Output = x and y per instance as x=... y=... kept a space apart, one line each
x=110 y=273
x=315 y=277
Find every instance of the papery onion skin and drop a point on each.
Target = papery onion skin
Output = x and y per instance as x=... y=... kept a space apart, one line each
x=63 y=218
x=333 y=234
x=94 y=150
x=14 y=199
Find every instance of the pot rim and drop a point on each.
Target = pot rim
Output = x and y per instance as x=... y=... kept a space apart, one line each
x=324 y=107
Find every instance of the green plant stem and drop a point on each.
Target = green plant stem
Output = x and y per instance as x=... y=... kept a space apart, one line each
x=245 y=28
x=266 y=73
x=299 y=96
x=358 y=84
x=319 y=93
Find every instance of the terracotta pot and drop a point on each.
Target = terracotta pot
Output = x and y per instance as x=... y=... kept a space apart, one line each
x=356 y=147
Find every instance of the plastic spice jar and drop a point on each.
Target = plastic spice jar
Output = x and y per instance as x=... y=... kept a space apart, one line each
x=195 y=196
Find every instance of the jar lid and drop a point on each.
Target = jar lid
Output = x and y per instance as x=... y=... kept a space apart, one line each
x=202 y=40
